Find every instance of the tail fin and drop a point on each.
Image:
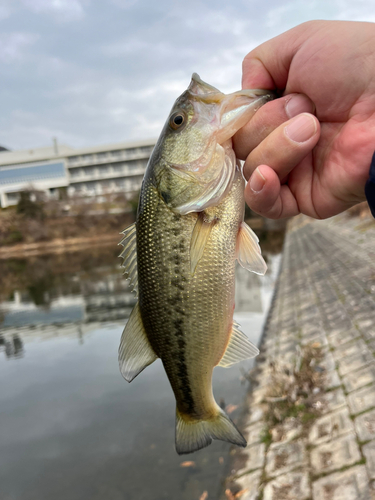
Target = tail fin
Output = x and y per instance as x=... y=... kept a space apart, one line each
x=192 y=435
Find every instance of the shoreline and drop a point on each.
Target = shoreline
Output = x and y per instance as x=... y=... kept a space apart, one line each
x=57 y=246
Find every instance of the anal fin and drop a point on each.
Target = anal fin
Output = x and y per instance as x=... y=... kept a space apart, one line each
x=135 y=351
x=238 y=349
x=248 y=250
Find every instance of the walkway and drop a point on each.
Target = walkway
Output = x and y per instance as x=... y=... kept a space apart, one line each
x=311 y=420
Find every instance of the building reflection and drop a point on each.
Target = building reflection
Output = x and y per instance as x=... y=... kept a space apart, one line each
x=13 y=347
x=102 y=295
x=248 y=296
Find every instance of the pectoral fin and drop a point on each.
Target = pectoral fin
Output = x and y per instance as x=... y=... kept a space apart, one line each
x=135 y=351
x=248 y=250
x=129 y=254
x=238 y=349
x=199 y=238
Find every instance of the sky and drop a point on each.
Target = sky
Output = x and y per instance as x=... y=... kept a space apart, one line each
x=92 y=72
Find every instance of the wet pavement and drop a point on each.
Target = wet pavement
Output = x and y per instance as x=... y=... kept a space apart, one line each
x=325 y=298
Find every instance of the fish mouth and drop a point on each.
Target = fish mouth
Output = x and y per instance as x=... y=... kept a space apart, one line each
x=234 y=110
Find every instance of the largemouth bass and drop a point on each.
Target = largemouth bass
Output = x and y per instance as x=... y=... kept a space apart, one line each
x=180 y=256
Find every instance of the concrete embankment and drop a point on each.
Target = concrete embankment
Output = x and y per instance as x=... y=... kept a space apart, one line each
x=310 y=423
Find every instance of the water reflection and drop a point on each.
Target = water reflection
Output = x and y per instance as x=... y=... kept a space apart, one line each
x=69 y=421
x=12 y=347
x=60 y=289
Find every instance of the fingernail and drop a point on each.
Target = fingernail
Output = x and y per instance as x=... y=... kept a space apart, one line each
x=301 y=128
x=257 y=181
x=297 y=104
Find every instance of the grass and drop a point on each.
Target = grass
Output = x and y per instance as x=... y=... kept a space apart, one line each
x=290 y=399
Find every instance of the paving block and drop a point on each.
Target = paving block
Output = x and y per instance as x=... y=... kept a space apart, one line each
x=253 y=433
x=250 y=484
x=369 y=333
x=331 y=401
x=349 y=349
x=328 y=363
x=332 y=379
x=255 y=458
x=286 y=431
x=340 y=337
x=371 y=345
x=351 y=484
x=355 y=361
x=369 y=453
x=360 y=378
x=256 y=414
x=259 y=394
x=288 y=487
x=365 y=324
x=362 y=400
x=331 y=426
x=365 y=425
x=335 y=454
x=285 y=457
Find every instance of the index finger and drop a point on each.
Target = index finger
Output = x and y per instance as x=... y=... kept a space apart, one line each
x=267 y=66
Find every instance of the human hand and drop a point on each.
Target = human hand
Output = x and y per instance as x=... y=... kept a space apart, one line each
x=299 y=163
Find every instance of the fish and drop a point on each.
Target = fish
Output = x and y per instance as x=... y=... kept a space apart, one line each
x=180 y=257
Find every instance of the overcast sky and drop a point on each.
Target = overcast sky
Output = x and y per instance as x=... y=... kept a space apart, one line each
x=93 y=72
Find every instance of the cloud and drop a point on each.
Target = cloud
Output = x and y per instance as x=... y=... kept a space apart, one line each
x=5 y=11
x=14 y=46
x=61 y=10
x=96 y=72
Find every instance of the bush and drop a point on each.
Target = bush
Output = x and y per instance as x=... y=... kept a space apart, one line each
x=29 y=208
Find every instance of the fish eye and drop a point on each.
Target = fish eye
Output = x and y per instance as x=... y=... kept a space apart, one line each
x=177 y=120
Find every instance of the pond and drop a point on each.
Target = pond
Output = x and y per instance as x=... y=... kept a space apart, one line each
x=71 y=427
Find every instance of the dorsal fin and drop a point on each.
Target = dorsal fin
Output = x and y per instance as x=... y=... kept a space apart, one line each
x=248 y=250
x=129 y=254
x=199 y=238
x=135 y=351
x=239 y=348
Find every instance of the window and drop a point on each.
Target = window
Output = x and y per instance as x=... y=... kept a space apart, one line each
x=76 y=172
x=103 y=170
x=73 y=160
x=119 y=168
x=12 y=197
x=101 y=156
x=146 y=149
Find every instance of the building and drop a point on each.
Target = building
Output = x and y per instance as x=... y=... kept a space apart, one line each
x=86 y=172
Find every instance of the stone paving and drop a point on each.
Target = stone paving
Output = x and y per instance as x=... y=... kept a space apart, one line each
x=325 y=296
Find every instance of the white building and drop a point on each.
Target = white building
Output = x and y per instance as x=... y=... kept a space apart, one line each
x=95 y=171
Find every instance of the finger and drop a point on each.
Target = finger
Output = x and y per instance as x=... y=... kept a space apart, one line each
x=267 y=119
x=267 y=66
x=286 y=146
x=265 y=195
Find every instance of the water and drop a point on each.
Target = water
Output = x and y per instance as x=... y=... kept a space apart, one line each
x=71 y=427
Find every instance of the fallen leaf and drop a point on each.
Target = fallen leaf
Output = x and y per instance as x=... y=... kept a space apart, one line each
x=230 y=408
x=221 y=460
x=240 y=493
x=229 y=495
x=187 y=464
x=203 y=496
